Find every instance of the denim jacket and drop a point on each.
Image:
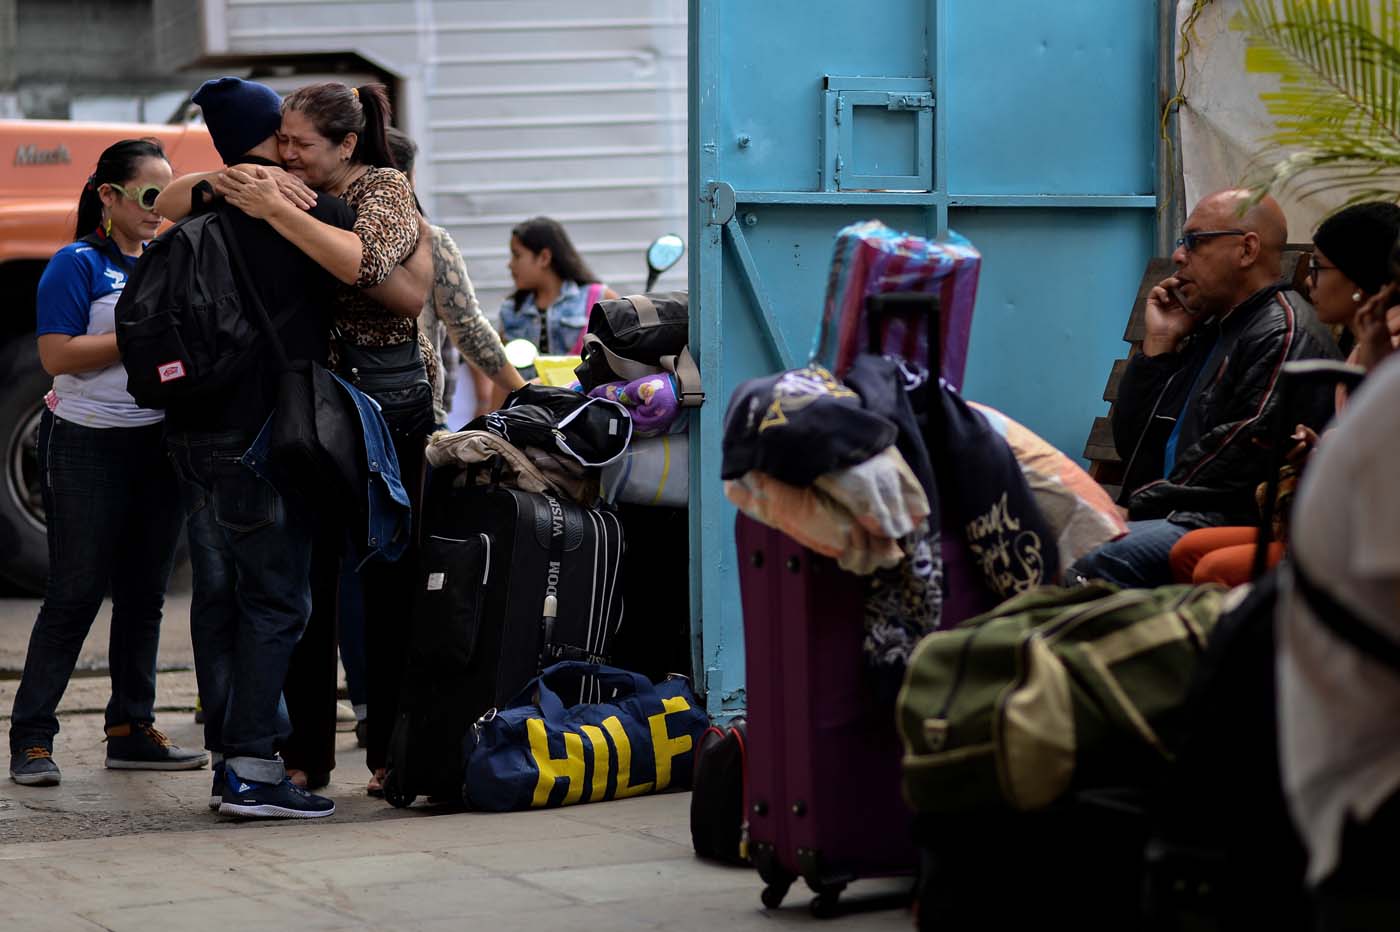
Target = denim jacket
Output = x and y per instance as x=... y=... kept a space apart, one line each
x=566 y=318
x=386 y=501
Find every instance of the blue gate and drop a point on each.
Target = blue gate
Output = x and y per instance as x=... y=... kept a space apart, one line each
x=1027 y=127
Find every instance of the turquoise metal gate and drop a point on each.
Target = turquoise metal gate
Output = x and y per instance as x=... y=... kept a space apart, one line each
x=1027 y=127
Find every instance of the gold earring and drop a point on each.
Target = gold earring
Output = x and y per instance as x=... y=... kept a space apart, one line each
x=107 y=227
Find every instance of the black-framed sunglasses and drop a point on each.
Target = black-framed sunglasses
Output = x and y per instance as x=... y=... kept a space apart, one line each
x=1193 y=238
x=1314 y=267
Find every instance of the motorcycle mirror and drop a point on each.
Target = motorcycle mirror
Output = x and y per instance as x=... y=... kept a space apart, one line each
x=522 y=353
x=664 y=252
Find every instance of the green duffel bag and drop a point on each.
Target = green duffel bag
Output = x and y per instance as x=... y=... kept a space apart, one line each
x=1054 y=690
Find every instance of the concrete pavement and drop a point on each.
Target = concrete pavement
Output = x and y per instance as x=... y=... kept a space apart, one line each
x=122 y=850
x=614 y=866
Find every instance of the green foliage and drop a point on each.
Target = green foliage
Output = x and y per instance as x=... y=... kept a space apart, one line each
x=1337 y=110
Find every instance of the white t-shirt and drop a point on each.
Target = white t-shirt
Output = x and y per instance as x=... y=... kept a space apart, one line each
x=78 y=295
x=1339 y=711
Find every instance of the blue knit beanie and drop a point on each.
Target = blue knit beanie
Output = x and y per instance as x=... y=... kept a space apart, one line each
x=240 y=114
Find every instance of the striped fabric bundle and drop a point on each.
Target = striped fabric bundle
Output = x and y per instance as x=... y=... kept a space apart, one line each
x=870 y=258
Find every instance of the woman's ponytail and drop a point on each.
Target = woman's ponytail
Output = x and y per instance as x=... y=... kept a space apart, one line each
x=372 y=148
x=89 y=209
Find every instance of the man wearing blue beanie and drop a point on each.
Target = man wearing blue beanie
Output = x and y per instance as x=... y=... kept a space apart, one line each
x=240 y=114
x=250 y=546
x=243 y=118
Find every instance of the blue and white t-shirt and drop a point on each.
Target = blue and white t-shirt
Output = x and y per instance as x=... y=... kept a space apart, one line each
x=78 y=296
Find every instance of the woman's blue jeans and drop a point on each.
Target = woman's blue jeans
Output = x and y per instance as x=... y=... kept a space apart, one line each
x=113 y=520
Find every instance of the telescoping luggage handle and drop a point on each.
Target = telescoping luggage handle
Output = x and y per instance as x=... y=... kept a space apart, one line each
x=910 y=305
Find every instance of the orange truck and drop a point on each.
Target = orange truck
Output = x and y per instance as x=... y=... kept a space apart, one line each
x=43 y=165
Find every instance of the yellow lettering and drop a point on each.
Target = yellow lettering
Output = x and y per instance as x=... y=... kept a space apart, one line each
x=570 y=766
x=601 y=756
x=613 y=727
x=666 y=748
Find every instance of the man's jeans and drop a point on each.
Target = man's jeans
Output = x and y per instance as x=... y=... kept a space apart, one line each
x=251 y=555
x=1139 y=560
x=113 y=520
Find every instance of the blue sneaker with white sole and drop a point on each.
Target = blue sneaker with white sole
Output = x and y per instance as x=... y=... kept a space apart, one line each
x=251 y=800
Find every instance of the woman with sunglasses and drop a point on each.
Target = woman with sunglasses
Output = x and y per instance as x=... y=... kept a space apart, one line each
x=113 y=512
x=1349 y=267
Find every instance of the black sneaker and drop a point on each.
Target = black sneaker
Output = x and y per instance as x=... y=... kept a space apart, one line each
x=283 y=800
x=34 y=767
x=143 y=747
x=216 y=792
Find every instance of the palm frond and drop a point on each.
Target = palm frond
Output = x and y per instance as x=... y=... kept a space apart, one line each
x=1337 y=108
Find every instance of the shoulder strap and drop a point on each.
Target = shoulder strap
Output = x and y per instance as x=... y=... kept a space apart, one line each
x=592 y=297
x=682 y=366
x=687 y=374
x=244 y=282
x=625 y=368
x=1343 y=622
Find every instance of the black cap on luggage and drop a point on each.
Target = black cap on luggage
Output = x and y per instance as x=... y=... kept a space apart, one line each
x=799 y=425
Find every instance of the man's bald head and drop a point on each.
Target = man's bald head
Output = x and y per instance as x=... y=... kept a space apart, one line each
x=1233 y=208
x=1240 y=251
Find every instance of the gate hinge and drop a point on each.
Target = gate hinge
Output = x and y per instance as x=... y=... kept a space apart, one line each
x=720 y=196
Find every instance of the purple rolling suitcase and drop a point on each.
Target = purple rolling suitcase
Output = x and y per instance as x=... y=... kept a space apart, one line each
x=824 y=759
x=823 y=779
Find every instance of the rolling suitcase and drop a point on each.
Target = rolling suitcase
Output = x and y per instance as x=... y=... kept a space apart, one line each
x=823 y=756
x=824 y=775
x=512 y=582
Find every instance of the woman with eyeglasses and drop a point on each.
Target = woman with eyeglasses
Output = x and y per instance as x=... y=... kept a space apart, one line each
x=108 y=489
x=1349 y=279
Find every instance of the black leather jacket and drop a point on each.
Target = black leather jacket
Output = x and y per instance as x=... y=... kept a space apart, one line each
x=1223 y=452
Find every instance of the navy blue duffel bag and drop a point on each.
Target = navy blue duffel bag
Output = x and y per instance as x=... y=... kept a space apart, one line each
x=537 y=753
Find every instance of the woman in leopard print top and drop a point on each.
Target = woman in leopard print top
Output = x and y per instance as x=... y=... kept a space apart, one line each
x=332 y=138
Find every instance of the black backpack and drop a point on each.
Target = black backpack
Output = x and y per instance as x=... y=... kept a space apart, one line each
x=591 y=431
x=182 y=328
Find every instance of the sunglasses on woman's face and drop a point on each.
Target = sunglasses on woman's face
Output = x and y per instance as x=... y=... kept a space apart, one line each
x=145 y=195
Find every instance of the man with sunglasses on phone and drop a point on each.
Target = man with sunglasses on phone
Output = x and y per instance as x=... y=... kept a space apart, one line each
x=1195 y=408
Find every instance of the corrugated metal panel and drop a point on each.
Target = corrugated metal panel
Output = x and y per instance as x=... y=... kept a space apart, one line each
x=520 y=107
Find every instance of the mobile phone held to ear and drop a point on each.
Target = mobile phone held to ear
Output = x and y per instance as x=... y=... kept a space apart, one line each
x=1181 y=300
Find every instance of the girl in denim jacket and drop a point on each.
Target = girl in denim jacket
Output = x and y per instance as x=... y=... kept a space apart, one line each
x=555 y=289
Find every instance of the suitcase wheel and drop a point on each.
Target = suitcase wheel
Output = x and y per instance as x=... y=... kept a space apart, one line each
x=773 y=893
x=394 y=794
x=826 y=904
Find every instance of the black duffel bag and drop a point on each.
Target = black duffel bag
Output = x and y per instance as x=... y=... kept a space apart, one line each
x=640 y=335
